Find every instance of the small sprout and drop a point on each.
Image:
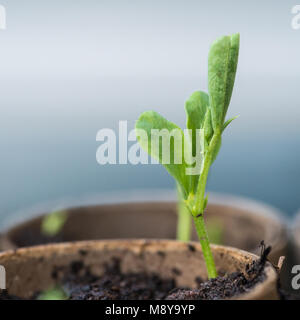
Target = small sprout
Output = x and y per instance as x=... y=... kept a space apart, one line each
x=53 y=223
x=56 y=293
x=206 y=113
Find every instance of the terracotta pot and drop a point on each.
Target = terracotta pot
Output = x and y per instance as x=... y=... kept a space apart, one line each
x=244 y=224
x=29 y=269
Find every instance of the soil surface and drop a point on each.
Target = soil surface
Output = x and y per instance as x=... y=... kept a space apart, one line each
x=227 y=286
x=5 y=296
x=115 y=285
x=80 y=284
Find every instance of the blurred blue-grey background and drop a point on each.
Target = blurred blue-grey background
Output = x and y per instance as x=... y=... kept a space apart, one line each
x=69 y=68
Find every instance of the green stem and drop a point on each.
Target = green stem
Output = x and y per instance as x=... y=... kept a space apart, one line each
x=207 y=253
x=183 y=222
x=200 y=193
x=199 y=206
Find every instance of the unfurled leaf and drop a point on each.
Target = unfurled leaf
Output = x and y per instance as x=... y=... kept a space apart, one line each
x=164 y=141
x=222 y=65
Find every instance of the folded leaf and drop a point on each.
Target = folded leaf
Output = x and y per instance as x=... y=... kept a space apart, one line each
x=196 y=108
x=222 y=65
x=208 y=129
x=154 y=125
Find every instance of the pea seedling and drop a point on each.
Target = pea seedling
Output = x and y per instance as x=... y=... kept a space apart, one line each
x=205 y=124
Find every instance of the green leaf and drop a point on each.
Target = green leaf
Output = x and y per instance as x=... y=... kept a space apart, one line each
x=222 y=65
x=227 y=123
x=53 y=223
x=196 y=108
x=208 y=129
x=209 y=134
x=152 y=142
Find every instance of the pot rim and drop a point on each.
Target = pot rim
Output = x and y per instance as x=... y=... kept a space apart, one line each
x=138 y=196
x=157 y=244
x=275 y=232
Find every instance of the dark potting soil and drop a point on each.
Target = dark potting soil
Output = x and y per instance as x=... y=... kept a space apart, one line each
x=227 y=286
x=5 y=296
x=80 y=284
x=114 y=285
